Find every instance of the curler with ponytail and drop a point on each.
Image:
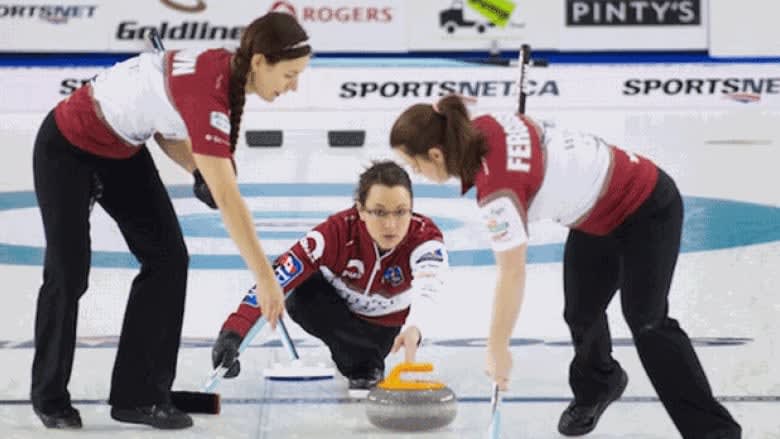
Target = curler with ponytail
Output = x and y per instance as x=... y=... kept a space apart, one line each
x=446 y=125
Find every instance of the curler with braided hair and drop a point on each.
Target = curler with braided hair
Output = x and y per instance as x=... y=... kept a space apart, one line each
x=276 y=35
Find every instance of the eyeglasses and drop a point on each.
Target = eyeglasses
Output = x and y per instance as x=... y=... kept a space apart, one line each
x=382 y=213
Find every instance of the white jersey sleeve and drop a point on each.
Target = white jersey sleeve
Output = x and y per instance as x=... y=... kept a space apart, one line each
x=429 y=263
x=504 y=222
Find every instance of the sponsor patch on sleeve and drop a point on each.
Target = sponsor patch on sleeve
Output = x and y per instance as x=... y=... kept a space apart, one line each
x=220 y=121
x=288 y=268
x=505 y=226
x=431 y=256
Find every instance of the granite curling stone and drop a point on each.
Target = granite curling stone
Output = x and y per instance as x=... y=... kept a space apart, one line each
x=409 y=406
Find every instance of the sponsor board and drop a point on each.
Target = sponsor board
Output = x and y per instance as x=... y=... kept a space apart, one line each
x=51 y=13
x=63 y=26
x=350 y=25
x=552 y=88
x=739 y=89
x=339 y=25
x=633 y=13
x=482 y=25
x=119 y=26
x=393 y=25
x=180 y=23
x=643 y=25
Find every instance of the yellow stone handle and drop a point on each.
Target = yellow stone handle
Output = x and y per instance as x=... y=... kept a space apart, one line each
x=394 y=381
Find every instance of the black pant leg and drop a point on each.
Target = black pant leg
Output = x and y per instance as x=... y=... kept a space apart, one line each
x=356 y=345
x=316 y=307
x=651 y=243
x=63 y=179
x=591 y=274
x=136 y=199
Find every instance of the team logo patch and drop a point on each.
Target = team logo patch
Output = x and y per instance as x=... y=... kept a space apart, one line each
x=505 y=226
x=220 y=121
x=251 y=299
x=393 y=275
x=499 y=231
x=313 y=244
x=432 y=256
x=355 y=269
x=288 y=268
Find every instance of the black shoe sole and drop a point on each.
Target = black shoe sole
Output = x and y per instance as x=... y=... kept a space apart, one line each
x=618 y=392
x=60 y=422
x=134 y=417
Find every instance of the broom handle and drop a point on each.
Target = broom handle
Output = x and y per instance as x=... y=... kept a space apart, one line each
x=494 y=430
x=523 y=60
x=495 y=398
x=156 y=41
x=287 y=341
x=219 y=372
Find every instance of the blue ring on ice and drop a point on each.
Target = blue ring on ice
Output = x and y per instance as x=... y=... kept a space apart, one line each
x=710 y=224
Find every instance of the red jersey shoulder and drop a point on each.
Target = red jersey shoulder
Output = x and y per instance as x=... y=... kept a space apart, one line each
x=201 y=71
x=198 y=83
x=422 y=229
x=494 y=162
x=489 y=127
x=214 y=67
x=344 y=223
x=514 y=162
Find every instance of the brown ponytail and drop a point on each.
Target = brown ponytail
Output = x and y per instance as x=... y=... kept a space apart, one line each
x=448 y=126
x=276 y=35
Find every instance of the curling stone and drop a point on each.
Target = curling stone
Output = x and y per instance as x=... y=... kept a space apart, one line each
x=401 y=405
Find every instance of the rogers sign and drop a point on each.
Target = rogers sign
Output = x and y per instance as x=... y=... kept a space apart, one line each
x=310 y=13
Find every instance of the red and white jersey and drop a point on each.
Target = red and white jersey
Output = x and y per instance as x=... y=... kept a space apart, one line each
x=378 y=287
x=180 y=94
x=534 y=172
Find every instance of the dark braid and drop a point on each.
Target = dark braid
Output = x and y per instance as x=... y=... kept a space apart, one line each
x=237 y=95
x=273 y=35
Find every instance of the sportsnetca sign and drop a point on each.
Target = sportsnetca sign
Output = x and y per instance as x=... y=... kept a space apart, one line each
x=393 y=88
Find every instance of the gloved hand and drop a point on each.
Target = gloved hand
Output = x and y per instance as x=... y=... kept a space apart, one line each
x=201 y=190
x=225 y=352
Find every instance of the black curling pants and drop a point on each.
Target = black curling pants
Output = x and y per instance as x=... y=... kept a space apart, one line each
x=358 y=347
x=639 y=259
x=134 y=196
